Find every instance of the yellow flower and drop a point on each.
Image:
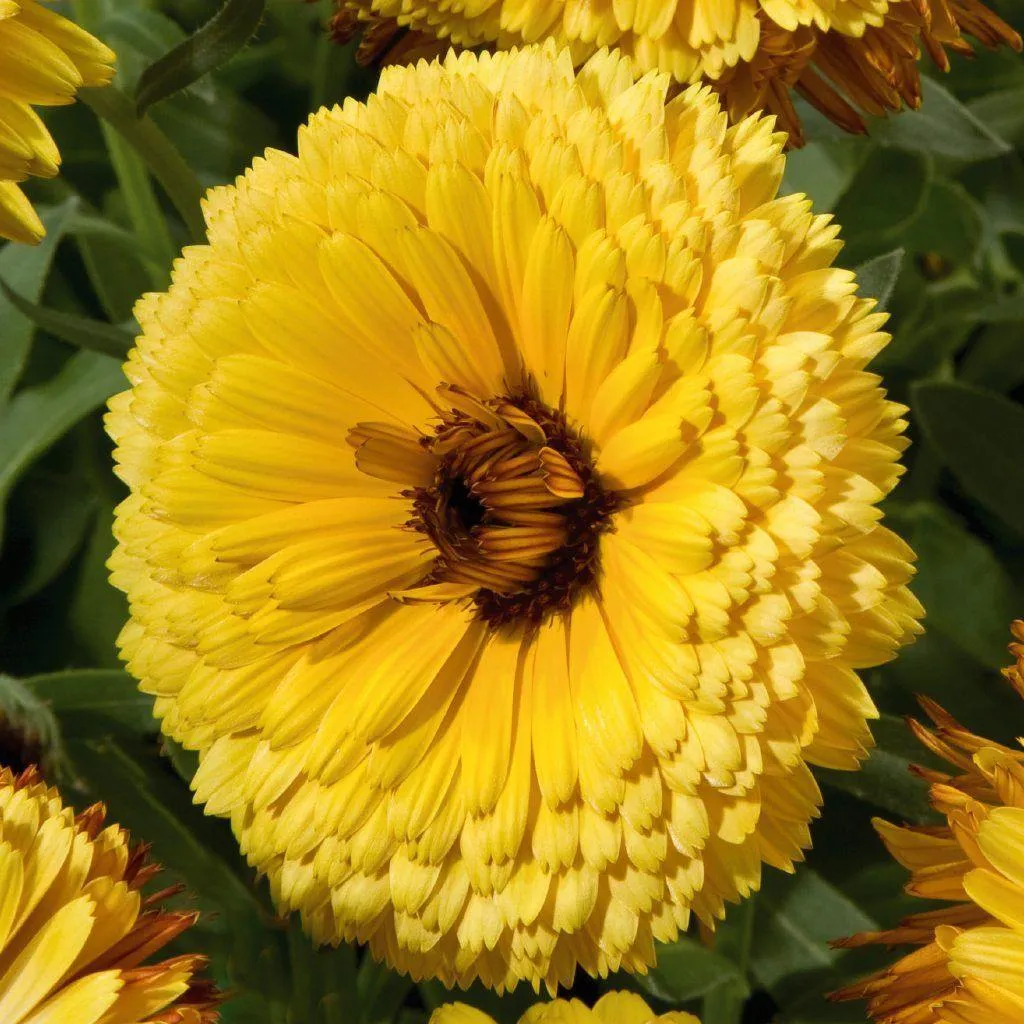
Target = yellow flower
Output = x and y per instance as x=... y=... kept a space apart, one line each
x=44 y=60
x=845 y=57
x=613 y=1008
x=75 y=928
x=503 y=526
x=969 y=968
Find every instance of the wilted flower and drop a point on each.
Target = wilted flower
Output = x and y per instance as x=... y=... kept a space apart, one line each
x=613 y=1008
x=503 y=527
x=845 y=57
x=76 y=931
x=44 y=60
x=969 y=968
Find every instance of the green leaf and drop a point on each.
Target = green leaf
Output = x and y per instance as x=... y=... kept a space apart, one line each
x=146 y=796
x=821 y=170
x=157 y=152
x=214 y=44
x=884 y=779
x=996 y=359
x=75 y=330
x=979 y=435
x=118 y=268
x=967 y=594
x=950 y=225
x=943 y=126
x=797 y=916
x=1005 y=311
x=25 y=268
x=98 y=611
x=37 y=417
x=85 y=224
x=135 y=190
x=95 y=702
x=938 y=667
x=935 y=327
x=49 y=518
x=888 y=194
x=1002 y=113
x=185 y=761
x=686 y=970
x=878 y=276
x=141 y=36
x=215 y=130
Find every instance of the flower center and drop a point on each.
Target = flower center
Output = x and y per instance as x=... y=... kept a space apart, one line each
x=515 y=509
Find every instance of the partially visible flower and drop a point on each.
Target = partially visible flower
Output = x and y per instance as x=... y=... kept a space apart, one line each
x=29 y=734
x=20 y=744
x=44 y=60
x=969 y=968
x=613 y=1008
x=845 y=57
x=503 y=528
x=76 y=931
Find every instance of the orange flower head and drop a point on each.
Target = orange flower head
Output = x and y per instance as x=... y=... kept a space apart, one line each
x=847 y=58
x=969 y=964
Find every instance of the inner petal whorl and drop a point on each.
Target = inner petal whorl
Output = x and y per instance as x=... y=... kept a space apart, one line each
x=515 y=509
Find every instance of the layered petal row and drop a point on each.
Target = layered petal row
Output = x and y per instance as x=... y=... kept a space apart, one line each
x=847 y=58
x=969 y=964
x=77 y=933
x=613 y=1008
x=503 y=529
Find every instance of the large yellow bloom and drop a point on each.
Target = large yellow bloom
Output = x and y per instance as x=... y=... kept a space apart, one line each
x=613 y=1008
x=970 y=965
x=503 y=526
x=44 y=60
x=845 y=57
x=75 y=930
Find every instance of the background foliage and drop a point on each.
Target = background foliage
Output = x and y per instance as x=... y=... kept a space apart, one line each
x=932 y=205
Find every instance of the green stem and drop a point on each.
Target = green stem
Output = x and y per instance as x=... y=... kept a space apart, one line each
x=334 y=72
x=151 y=148
x=143 y=208
x=301 y=989
x=746 y=936
x=725 y=1004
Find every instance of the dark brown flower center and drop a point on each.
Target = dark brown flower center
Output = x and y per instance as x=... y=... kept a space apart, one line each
x=515 y=509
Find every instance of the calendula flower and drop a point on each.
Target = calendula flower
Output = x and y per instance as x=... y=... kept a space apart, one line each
x=969 y=967
x=613 y=1008
x=76 y=931
x=503 y=527
x=44 y=60
x=845 y=57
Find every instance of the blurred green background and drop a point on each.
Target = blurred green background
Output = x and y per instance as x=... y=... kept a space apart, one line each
x=932 y=205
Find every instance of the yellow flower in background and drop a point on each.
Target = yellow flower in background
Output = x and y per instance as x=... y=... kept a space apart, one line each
x=847 y=58
x=44 y=60
x=613 y=1008
x=76 y=932
x=503 y=528
x=969 y=968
